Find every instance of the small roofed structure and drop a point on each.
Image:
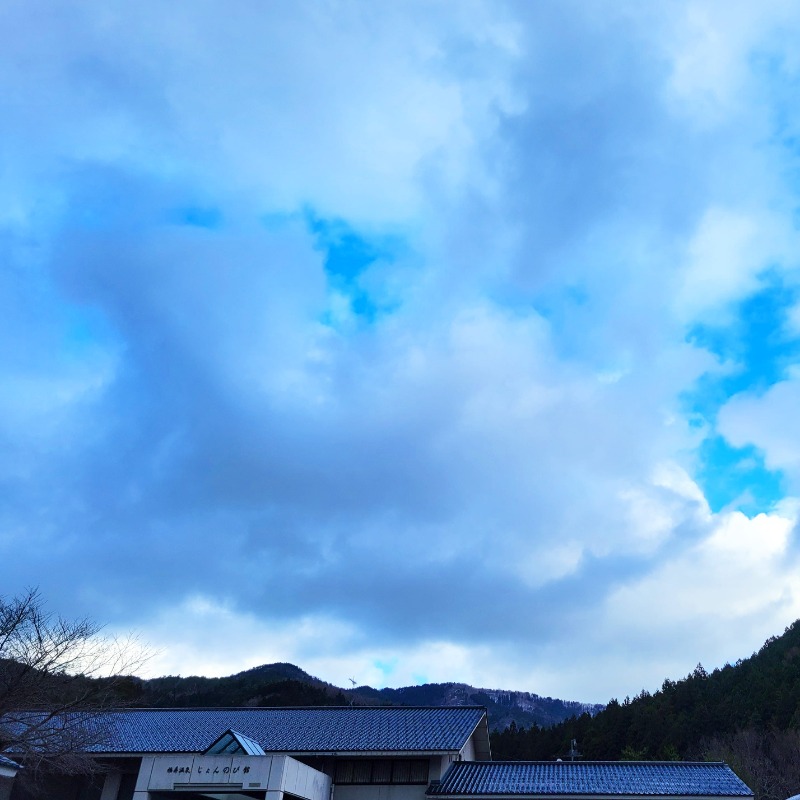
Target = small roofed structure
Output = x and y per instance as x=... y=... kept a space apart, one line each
x=8 y=768
x=588 y=779
x=234 y=743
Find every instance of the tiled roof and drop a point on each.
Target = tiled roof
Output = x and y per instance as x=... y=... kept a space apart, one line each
x=290 y=730
x=468 y=778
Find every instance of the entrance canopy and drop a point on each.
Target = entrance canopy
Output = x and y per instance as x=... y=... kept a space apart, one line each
x=229 y=776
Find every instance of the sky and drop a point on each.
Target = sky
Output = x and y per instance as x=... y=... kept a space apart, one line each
x=405 y=342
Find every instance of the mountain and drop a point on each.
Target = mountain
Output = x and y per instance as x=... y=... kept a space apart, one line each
x=288 y=685
x=267 y=685
x=504 y=707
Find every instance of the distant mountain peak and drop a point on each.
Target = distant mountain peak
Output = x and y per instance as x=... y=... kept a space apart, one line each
x=279 y=670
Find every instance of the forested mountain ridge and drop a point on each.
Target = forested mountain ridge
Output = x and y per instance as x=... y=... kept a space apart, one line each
x=286 y=685
x=747 y=714
x=268 y=685
x=503 y=706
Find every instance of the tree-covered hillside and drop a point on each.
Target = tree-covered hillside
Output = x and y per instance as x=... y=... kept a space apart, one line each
x=267 y=685
x=747 y=714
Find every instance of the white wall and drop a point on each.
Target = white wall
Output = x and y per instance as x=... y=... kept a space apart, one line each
x=468 y=750
x=375 y=791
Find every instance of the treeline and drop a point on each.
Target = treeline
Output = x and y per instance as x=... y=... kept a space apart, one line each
x=747 y=714
x=269 y=685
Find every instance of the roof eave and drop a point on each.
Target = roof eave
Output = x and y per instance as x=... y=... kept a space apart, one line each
x=619 y=796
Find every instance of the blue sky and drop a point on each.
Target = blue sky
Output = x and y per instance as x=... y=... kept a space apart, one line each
x=411 y=341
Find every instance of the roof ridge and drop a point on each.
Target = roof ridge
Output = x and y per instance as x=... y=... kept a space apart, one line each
x=291 y=728
x=294 y=708
x=587 y=762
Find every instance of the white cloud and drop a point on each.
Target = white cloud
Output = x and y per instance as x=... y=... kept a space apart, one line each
x=725 y=257
x=739 y=570
x=336 y=106
x=738 y=579
x=217 y=639
x=768 y=421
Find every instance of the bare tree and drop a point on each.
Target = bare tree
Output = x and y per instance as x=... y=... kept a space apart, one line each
x=57 y=676
x=766 y=760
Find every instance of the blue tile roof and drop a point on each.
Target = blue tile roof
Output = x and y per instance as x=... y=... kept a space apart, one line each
x=290 y=730
x=468 y=778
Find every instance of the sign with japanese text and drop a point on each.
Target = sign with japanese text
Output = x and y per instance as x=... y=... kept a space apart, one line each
x=247 y=771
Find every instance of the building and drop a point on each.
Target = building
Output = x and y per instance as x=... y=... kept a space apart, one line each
x=350 y=753
x=364 y=752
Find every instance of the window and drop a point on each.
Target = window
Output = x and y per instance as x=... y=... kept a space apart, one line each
x=368 y=770
x=362 y=772
x=344 y=772
x=418 y=771
x=401 y=772
x=382 y=771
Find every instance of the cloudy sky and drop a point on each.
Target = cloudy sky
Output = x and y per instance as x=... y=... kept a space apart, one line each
x=405 y=341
